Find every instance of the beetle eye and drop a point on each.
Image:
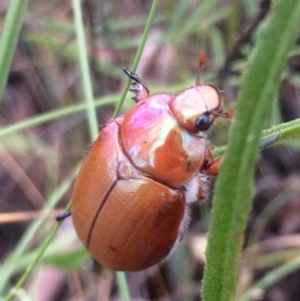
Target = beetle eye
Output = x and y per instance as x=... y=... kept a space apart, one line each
x=203 y=122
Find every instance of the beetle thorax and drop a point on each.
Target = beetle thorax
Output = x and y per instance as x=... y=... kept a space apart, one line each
x=155 y=143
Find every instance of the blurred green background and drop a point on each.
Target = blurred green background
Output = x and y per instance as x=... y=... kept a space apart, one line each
x=45 y=135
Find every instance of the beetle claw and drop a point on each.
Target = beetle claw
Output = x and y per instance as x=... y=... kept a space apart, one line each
x=138 y=87
x=134 y=90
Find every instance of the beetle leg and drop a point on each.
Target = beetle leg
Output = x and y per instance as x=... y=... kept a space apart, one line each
x=229 y=114
x=213 y=168
x=269 y=141
x=139 y=88
x=63 y=216
x=212 y=165
x=197 y=189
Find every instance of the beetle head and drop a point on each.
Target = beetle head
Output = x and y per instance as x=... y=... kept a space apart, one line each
x=196 y=108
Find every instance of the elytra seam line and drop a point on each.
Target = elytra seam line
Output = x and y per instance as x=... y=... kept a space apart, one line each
x=98 y=212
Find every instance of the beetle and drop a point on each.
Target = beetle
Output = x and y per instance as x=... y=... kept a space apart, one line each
x=132 y=197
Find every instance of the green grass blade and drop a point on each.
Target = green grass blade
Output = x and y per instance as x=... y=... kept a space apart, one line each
x=53 y=115
x=12 y=261
x=84 y=67
x=271 y=278
x=234 y=188
x=9 y=38
x=138 y=55
x=122 y=284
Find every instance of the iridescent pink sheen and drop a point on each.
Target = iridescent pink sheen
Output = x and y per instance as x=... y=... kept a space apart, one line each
x=156 y=144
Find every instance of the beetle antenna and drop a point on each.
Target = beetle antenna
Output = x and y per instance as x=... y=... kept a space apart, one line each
x=201 y=60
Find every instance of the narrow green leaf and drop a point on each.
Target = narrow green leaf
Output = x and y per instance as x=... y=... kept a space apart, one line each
x=271 y=278
x=122 y=284
x=138 y=55
x=9 y=38
x=234 y=188
x=85 y=72
x=53 y=115
x=69 y=260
